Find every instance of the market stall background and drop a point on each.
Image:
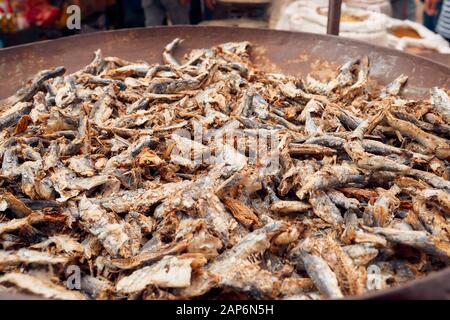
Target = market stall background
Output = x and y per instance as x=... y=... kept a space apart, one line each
x=24 y=21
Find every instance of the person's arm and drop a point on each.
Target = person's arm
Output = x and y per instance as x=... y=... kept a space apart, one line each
x=210 y=4
x=430 y=7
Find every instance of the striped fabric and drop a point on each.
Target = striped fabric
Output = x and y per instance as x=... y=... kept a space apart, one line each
x=443 y=27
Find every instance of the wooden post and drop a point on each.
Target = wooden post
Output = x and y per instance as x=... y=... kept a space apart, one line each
x=334 y=16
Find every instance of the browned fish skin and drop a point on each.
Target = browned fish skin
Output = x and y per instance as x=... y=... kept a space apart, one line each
x=206 y=177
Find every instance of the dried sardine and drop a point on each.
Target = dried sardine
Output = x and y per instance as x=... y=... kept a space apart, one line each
x=26 y=93
x=62 y=243
x=322 y=276
x=170 y=272
x=115 y=235
x=16 y=206
x=285 y=207
x=41 y=287
x=8 y=258
x=394 y=87
x=207 y=177
x=417 y=239
x=441 y=102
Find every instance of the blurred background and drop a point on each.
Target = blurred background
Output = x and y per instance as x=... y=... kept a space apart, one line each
x=408 y=25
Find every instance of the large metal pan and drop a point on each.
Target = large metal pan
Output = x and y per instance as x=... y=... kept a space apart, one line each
x=288 y=52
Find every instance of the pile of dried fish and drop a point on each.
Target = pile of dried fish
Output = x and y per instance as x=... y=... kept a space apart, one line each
x=211 y=178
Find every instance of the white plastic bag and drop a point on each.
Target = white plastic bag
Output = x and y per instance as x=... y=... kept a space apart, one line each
x=380 y=6
x=416 y=46
x=294 y=8
x=352 y=20
x=404 y=33
x=357 y=24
